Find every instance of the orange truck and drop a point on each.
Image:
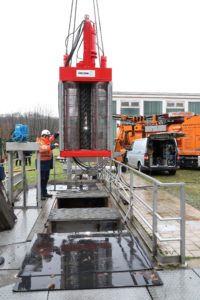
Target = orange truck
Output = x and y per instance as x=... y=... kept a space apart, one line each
x=186 y=123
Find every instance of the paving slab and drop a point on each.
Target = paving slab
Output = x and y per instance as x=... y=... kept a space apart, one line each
x=7 y=277
x=178 y=285
x=197 y=271
x=108 y=294
x=6 y=293
x=13 y=255
x=19 y=233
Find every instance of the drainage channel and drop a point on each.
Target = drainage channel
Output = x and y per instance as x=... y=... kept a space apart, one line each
x=86 y=247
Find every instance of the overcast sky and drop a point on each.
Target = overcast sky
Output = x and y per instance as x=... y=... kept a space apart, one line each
x=152 y=46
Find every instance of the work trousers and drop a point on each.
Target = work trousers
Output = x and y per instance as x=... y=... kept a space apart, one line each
x=44 y=181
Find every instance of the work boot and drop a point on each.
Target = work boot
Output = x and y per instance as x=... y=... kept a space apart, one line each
x=2 y=260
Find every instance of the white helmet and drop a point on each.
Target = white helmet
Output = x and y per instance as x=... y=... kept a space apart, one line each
x=45 y=132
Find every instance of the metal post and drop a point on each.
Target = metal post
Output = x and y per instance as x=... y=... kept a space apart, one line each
x=10 y=177
x=131 y=195
x=155 y=221
x=69 y=168
x=119 y=169
x=39 y=204
x=182 y=224
x=110 y=177
x=23 y=178
x=54 y=173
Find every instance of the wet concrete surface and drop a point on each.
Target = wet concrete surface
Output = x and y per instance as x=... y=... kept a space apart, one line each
x=178 y=284
x=14 y=255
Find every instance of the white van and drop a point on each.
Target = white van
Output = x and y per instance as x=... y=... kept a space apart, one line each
x=158 y=152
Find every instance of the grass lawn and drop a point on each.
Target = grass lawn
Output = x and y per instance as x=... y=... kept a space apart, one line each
x=191 y=178
x=31 y=171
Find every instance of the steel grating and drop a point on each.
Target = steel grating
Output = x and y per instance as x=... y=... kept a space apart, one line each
x=81 y=261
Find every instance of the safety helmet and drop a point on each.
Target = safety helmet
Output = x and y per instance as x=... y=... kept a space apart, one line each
x=45 y=132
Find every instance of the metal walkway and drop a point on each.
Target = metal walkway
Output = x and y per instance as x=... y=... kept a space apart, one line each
x=178 y=284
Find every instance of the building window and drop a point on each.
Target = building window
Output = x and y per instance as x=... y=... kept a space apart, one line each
x=170 y=104
x=130 y=108
x=130 y=111
x=179 y=104
x=194 y=107
x=174 y=110
x=123 y=103
x=174 y=106
x=152 y=108
x=135 y=104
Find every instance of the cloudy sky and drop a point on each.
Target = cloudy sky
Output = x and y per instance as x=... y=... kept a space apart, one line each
x=152 y=46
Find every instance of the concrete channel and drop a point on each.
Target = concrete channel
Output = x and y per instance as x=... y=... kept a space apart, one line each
x=56 y=225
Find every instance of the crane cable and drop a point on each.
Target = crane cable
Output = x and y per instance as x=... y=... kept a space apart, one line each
x=75 y=43
x=74 y=21
x=75 y=40
x=99 y=166
x=70 y=19
x=79 y=29
x=95 y=18
x=100 y=26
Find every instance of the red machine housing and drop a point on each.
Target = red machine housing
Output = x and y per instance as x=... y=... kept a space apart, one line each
x=85 y=97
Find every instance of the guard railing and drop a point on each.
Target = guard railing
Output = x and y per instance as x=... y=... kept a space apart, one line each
x=145 y=199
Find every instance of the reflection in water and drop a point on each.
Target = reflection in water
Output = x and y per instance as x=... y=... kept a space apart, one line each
x=66 y=261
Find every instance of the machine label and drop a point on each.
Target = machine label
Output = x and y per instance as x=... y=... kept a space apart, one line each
x=85 y=73
x=155 y=128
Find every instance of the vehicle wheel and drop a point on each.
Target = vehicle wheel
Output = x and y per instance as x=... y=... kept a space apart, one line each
x=172 y=172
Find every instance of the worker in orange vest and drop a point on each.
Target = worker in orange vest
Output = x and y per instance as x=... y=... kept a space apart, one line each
x=46 y=158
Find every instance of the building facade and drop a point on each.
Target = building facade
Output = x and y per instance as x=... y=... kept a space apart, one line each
x=146 y=104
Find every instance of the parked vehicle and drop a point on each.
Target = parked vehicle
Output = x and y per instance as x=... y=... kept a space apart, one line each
x=158 y=152
x=185 y=124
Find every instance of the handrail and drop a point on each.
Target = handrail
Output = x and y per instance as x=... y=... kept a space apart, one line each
x=133 y=200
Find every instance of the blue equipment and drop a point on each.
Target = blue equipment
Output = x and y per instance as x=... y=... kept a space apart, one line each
x=20 y=134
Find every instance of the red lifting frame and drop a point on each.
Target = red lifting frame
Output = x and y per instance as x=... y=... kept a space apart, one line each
x=85 y=153
x=86 y=71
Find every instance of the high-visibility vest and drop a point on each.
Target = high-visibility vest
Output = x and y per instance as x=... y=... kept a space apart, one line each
x=45 y=147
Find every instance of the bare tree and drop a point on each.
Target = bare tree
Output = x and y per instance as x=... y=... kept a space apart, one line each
x=37 y=120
